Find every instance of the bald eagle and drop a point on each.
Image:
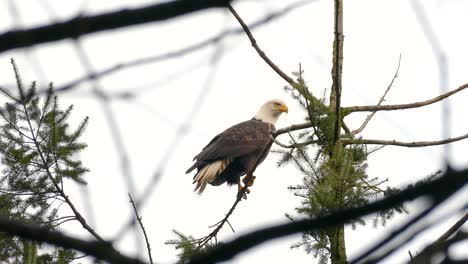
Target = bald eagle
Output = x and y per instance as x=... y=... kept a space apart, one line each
x=229 y=154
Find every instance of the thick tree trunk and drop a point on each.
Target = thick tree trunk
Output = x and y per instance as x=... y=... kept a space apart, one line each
x=337 y=245
x=336 y=235
x=337 y=69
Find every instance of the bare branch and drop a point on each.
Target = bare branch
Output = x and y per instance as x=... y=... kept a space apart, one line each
x=453 y=229
x=138 y=218
x=260 y=52
x=369 y=117
x=438 y=189
x=295 y=145
x=414 y=144
x=80 y=26
x=427 y=254
x=292 y=128
x=98 y=249
x=368 y=108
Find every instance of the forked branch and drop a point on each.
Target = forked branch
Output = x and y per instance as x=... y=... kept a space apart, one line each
x=382 y=99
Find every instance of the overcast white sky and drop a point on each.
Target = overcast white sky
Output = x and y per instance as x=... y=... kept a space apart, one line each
x=165 y=101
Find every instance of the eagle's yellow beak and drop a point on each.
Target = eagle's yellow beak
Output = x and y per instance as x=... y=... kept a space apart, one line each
x=283 y=108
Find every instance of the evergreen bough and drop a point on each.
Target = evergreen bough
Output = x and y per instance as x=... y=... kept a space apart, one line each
x=37 y=153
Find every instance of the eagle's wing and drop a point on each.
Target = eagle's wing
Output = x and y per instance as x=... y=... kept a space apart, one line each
x=242 y=139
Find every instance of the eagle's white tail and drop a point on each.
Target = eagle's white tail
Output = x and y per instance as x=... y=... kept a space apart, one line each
x=208 y=174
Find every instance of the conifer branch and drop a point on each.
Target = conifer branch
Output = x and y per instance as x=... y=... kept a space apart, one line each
x=75 y=211
x=382 y=99
x=414 y=144
x=260 y=52
x=439 y=189
x=138 y=218
x=80 y=26
x=374 y=108
x=23 y=100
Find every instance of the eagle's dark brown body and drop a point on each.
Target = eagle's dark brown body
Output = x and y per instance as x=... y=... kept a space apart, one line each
x=233 y=151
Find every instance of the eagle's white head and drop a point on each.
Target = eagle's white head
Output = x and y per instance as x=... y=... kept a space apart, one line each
x=271 y=110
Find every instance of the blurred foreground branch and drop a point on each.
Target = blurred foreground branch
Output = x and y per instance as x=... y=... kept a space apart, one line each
x=80 y=26
x=100 y=250
x=438 y=190
x=184 y=50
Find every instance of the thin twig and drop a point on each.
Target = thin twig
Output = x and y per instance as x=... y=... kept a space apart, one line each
x=138 y=218
x=414 y=144
x=232 y=228
x=382 y=99
x=295 y=145
x=370 y=108
x=260 y=52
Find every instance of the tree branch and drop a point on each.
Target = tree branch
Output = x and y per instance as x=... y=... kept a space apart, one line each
x=438 y=189
x=138 y=218
x=453 y=229
x=260 y=52
x=294 y=145
x=100 y=250
x=414 y=144
x=80 y=26
x=291 y=128
x=427 y=254
x=337 y=69
x=181 y=51
x=367 y=108
x=369 y=117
